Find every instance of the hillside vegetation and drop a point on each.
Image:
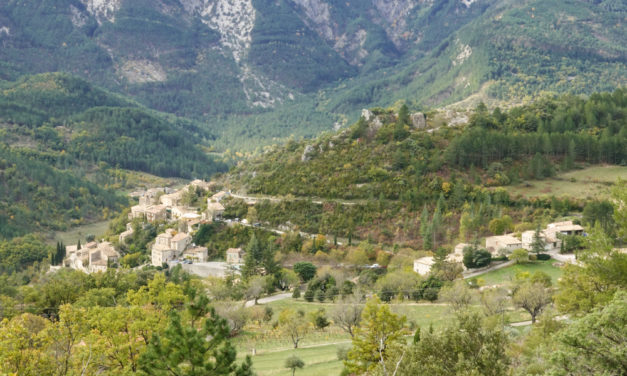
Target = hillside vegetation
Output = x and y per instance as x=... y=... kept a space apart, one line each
x=65 y=145
x=392 y=183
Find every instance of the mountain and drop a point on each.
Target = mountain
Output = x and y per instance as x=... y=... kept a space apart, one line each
x=65 y=144
x=255 y=71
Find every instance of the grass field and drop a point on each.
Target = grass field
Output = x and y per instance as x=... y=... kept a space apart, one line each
x=319 y=360
x=591 y=182
x=71 y=236
x=507 y=274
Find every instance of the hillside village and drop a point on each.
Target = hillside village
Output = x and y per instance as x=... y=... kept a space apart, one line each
x=170 y=247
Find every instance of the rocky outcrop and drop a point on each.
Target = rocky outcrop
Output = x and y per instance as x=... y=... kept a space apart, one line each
x=367 y=114
x=140 y=71
x=102 y=10
x=307 y=153
x=317 y=17
x=233 y=19
x=351 y=47
x=394 y=14
x=418 y=120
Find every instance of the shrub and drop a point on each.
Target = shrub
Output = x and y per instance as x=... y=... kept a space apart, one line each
x=296 y=293
x=543 y=256
x=320 y=296
x=342 y=353
x=309 y=295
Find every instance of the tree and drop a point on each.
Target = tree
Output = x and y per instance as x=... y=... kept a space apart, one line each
x=426 y=229
x=601 y=212
x=595 y=344
x=602 y=270
x=499 y=226
x=287 y=279
x=347 y=315
x=255 y=288
x=305 y=270
x=458 y=295
x=296 y=293
x=380 y=333
x=532 y=297
x=294 y=325
x=538 y=245
x=494 y=301
x=294 y=362
x=464 y=347
x=253 y=258
x=319 y=319
x=184 y=350
x=519 y=255
x=476 y=258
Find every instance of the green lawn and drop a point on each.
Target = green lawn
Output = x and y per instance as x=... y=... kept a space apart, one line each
x=507 y=274
x=71 y=236
x=591 y=182
x=319 y=360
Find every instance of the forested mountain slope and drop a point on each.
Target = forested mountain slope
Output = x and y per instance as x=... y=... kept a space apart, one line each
x=386 y=156
x=63 y=142
x=259 y=70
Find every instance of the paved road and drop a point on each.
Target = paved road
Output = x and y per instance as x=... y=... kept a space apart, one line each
x=495 y=267
x=269 y=299
x=279 y=199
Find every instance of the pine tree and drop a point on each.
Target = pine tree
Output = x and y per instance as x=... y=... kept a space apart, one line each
x=426 y=229
x=538 y=245
x=184 y=350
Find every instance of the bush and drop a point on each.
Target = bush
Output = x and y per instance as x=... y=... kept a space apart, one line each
x=320 y=295
x=543 y=256
x=296 y=293
x=309 y=295
x=342 y=353
x=267 y=314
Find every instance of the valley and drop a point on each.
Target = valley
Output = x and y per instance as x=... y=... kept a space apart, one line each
x=307 y=187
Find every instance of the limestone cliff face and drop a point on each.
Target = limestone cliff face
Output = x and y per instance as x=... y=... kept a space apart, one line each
x=102 y=10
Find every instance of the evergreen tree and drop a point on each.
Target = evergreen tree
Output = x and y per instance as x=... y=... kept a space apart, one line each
x=184 y=350
x=426 y=229
x=538 y=245
x=254 y=257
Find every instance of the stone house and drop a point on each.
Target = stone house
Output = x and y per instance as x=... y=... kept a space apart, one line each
x=214 y=210
x=502 y=244
x=423 y=265
x=169 y=246
x=235 y=256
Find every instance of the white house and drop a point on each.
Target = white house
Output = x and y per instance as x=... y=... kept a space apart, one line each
x=423 y=265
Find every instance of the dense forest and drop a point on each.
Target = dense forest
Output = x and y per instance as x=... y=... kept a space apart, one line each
x=65 y=144
x=37 y=196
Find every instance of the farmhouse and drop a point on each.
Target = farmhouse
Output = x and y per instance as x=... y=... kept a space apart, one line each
x=502 y=244
x=423 y=265
x=235 y=256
